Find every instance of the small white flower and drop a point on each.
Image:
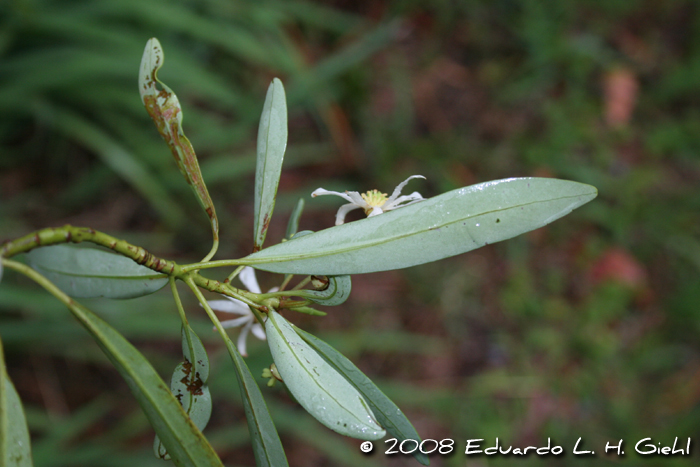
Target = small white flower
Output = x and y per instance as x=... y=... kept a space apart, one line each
x=373 y=202
x=247 y=318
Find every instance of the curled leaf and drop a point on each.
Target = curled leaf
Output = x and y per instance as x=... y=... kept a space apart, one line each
x=336 y=291
x=318 y=387
x=164 y=108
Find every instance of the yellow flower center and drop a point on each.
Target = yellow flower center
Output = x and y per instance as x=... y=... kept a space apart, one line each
x=374 y=198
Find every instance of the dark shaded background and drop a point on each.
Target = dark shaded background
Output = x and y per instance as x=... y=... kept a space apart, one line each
x=586 y=328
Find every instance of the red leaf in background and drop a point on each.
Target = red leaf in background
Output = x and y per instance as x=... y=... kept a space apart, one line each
x=617 y=265
x=620 y=87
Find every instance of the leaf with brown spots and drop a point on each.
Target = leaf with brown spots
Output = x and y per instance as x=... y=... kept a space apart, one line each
x=164 y=108
x=188 y=385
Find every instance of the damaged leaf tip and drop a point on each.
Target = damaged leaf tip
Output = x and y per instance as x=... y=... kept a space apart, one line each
x=151 y=61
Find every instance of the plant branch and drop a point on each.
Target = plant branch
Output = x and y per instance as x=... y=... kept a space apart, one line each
x=71 y=234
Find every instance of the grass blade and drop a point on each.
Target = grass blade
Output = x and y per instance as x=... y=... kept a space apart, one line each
x=116 y=157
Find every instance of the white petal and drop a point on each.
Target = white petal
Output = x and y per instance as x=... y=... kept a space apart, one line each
x=321 y=191
x=375 y=211
x=413 y=198
x=242 y=340
x=342 y=212
x=397 y=190
x=357 y=198
x=248 y=279
x=258 y=332
x=234 y=323
x=230 y=306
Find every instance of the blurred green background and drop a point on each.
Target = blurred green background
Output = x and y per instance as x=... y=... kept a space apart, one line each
x=586 y=328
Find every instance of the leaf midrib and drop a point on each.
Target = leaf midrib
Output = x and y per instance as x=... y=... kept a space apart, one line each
x=152 y=397
x=312 y=376
x=370 y=243
x=95 y=276
x=248 y=396
x=260 y=222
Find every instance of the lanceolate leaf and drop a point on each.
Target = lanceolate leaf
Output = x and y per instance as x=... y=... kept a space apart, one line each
x=293 y=224
x=90 y=273
x=387 y=413
x=267 y=446
x=272 y=142
x=15 y=447
x=164 y=108
x=318 y=387
x=446 y=225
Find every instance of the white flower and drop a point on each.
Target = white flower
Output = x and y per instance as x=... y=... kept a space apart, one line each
x=247 y=318
x=373 y=202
